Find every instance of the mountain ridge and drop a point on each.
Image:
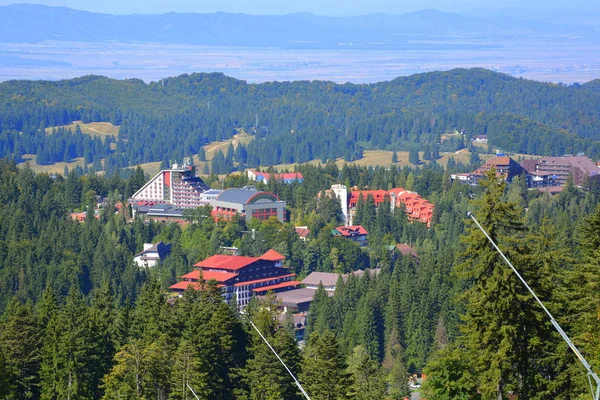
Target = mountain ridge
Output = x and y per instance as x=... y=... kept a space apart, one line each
x=35 y=23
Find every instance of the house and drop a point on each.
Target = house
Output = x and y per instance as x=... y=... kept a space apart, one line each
x=302 y=232
x=248 y=203
x=177 y=186
x=480 y=139
x=152 y=254
x=406 y=250
x=467 y=178
x=355 y=233
x=505 y=166
x=285 y=178
x=240 y=277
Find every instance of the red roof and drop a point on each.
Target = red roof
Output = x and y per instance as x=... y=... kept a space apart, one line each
x=208 y=275
x=302 y=231
x=276 y=286
x=351 y=230
x=263 y=280
x=221 y=261
x=183 y=285
x=272 y=255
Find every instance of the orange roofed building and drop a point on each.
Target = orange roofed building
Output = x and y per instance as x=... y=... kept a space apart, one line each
x=416 y=207
x=240 y=277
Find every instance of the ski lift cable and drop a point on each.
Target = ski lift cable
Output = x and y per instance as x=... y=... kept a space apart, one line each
x=591 y=373
x=280 y=360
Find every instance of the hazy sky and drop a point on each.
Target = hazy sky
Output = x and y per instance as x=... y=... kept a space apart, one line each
x=320 y=7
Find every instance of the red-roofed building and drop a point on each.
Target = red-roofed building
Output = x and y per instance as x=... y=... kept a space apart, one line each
x=240 y=277
x=356 y=233
x=302 y=232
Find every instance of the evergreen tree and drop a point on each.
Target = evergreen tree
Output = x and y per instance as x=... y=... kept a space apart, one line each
x=369 y=383
x=19 y=346
x=323 y=368
x=201 y=154
x=397 y=375
x=187 y=370
x=500 y=315
x=413 y=156
x=265 y=377
x=394 y=158
x=450 y=376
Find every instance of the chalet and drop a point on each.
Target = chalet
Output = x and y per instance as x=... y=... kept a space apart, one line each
x=239 y=277
x=356 y=233
x=152 y=254
x=302 y=232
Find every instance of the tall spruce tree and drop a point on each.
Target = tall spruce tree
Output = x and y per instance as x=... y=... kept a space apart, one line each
x=19 y=345
x=265 y=377
x=324 y=375
x=500 y=319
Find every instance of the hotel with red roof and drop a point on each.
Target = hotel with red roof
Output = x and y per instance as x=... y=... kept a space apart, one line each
x=416 y=207
x=240 y=277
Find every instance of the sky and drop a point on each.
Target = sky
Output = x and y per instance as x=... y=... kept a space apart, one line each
x=319 y=7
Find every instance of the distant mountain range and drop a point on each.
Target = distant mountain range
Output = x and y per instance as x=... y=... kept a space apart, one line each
x=27 y=23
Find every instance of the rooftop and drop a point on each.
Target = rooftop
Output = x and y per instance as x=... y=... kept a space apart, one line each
x=326 y=278
x=247 y=195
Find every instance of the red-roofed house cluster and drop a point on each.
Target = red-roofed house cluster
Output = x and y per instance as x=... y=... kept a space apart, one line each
x=240 y=277
x=416 y=207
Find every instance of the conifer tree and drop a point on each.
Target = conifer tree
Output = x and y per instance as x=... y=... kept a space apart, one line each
x=324 y=374
x=500 y=315
x=19 y=346
x=265 y=377
x=393 y=365
x=187 y=370
x=201 y=154
x=67 y=359
x=369 y=383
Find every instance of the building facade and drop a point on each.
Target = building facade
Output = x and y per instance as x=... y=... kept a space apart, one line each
x=248 y=203
x=239 y=277
x=177 y=186
x=581 y=168
x=152 y=254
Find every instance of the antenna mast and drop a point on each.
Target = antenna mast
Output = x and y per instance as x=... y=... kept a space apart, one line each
x=591 y=374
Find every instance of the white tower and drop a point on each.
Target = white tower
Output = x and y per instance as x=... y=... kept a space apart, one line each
x=341 y=192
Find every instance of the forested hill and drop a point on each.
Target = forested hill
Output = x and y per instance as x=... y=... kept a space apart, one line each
x=305 y=120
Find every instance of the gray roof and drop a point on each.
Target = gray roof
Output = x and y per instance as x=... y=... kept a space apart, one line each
x=297 y=296
x=326 y=278
x=238 y=196
x=161 y=248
